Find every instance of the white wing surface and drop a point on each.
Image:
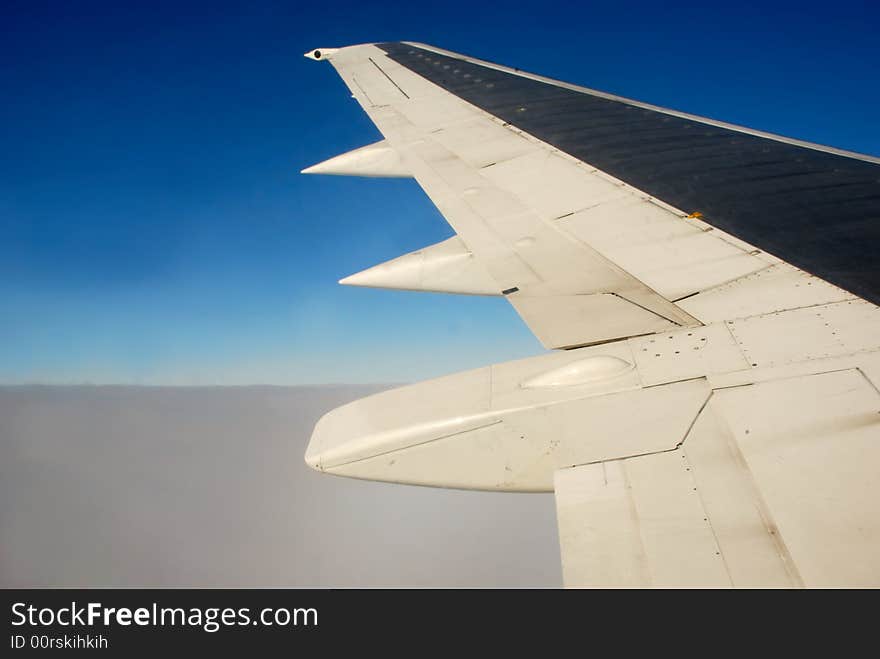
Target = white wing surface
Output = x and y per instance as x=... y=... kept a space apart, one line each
x=714 y=418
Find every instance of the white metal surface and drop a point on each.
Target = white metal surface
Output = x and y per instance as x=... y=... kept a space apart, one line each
x=774 y=485
x=725 y=430
x=588 y=369
x=373 y=161
x=812 y=446
x=447 y=267
x=634 y=523
x=513 y=442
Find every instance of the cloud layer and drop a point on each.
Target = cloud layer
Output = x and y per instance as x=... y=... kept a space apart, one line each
x=166 y=486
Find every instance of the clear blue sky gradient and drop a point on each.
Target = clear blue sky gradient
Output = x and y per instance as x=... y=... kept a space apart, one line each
x=154 y=227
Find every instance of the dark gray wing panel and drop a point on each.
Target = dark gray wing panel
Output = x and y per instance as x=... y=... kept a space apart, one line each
x=819 y=211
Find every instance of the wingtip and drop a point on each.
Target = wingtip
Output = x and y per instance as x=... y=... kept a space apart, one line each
x=318 y=54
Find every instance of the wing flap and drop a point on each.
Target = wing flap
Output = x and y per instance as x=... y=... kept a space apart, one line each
x=672 y=254
x=754 y=496
x=634 y=522
x=570 y=321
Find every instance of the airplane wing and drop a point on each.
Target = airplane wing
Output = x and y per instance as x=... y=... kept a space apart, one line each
x=713 y=417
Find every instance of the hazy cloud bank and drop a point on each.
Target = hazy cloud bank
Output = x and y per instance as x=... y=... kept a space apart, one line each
x=166 y=486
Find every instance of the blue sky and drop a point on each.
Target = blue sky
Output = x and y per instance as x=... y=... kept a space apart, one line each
x=154 y=227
